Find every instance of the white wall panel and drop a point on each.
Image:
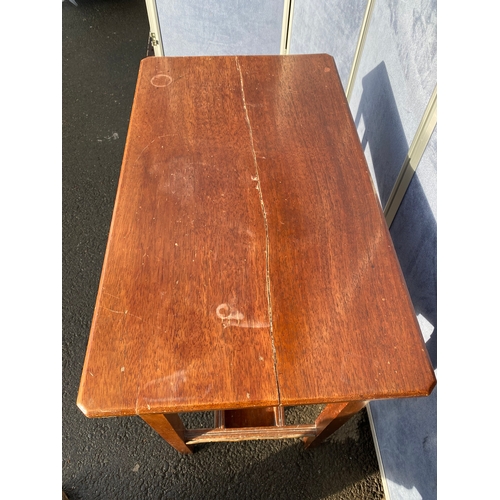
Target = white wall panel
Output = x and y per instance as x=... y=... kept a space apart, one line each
x=396 y=77
x=328 y=27
x=215 y=27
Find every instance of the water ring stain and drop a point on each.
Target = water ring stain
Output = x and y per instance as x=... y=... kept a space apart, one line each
x=161 y=80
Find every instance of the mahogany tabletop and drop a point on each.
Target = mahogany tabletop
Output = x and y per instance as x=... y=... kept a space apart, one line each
x=248 y=262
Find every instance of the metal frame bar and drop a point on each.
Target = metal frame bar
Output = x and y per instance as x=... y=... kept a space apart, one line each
x=417 y=148
x=286 y=27
x=359 y=48
x=154 y=28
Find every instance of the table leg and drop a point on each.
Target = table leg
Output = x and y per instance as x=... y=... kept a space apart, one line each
x=332 y=418
x=170 y=427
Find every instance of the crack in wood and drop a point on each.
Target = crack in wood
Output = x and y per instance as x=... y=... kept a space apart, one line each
x=264 y=213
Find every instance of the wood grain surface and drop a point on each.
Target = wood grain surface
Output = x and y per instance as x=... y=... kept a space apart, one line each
x=248 y=262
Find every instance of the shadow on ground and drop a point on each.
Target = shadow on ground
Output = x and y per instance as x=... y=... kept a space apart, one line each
x=131 y=461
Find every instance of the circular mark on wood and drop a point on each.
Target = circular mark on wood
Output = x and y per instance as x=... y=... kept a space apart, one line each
x=327 y=70
x=161 y=80
x=223 y=311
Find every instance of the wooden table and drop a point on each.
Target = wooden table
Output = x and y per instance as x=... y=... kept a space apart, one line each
x=248 y=266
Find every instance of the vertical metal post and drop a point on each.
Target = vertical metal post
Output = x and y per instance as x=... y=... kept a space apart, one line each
x=417 y=148
x=154 y=27
x=359 y=48
x=286 y=27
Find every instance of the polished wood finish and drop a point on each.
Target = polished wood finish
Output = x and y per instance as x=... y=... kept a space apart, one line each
x=170 y=428
x=333 y=417
x=248 y=264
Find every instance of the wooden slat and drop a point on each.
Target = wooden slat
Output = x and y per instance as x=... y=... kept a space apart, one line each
x=344 y=327
x=219 y=419
x=181 y=321
x=194 y=436
x=279 y=416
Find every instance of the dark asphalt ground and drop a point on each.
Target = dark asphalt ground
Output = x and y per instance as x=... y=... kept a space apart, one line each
x=122 y=458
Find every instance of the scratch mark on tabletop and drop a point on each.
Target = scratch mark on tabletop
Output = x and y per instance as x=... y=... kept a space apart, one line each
x=113 y=311
x=125 y=312
x=149 y=144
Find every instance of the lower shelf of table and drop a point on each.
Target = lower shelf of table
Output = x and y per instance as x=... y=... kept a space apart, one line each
x=252 y=424
x=249 y=424
x=195 y=436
